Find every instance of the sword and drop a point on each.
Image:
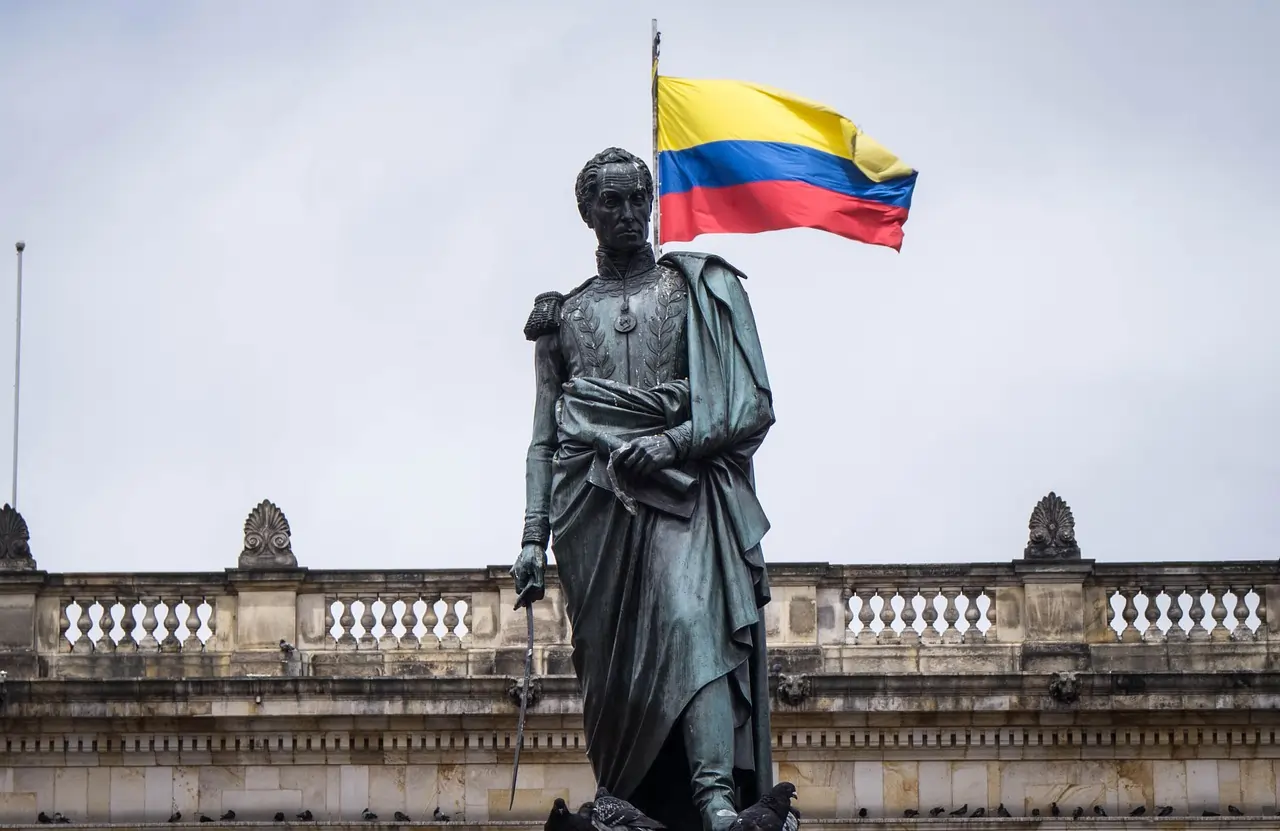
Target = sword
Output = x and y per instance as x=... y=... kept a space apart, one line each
x=524 y=702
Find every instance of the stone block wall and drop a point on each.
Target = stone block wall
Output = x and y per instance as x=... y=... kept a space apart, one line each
x=475 y=787
x=273 y=687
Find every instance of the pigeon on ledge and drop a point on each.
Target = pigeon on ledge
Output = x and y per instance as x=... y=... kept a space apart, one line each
x=770 y=813
x=562 y=819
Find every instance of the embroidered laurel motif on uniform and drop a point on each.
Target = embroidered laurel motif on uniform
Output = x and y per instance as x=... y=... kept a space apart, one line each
x=591 y=340
x=663 y=341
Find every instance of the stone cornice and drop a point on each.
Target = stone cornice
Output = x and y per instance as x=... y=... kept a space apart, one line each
x=1053 y=571
x=22 y=582
x=265 y=579
x=1242 y=697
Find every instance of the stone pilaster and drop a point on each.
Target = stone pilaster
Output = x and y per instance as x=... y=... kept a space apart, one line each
x=18 y=615
x=20 y=583
x=1053 y=614
x=265 y=588
x=265 y=613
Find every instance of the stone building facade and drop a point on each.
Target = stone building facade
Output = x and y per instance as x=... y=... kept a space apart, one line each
x=270 y=687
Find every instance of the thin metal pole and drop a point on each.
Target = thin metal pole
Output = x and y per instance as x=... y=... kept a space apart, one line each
x=17 y=379
x=656 y=41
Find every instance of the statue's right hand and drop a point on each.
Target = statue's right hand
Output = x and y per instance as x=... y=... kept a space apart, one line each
x=529 y=572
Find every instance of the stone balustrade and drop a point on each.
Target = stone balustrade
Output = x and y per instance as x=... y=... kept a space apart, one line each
x=273 y=686
x=969 y=618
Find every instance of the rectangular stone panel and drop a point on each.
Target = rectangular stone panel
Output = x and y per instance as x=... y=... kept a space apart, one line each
x=158 y=787
x=816 y=784
x=1169 y=780
x=353 y=790
x=869 y=785
x=128 y=794
x=901 y=787
x=17 y=622
x=261 y=805
x=1202 y=784
x=71 y=791
x=17 y=807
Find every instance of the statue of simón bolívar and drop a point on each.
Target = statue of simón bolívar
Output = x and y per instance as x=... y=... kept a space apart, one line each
x=651 y=400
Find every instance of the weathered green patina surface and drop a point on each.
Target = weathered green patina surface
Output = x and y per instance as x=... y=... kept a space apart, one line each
x=652 y=397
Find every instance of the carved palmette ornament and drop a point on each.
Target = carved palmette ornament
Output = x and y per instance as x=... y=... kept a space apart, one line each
x=15 y=539
x=267 y=541
x=1053 y=531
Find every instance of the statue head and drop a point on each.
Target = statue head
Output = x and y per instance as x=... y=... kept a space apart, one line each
x=615 y=199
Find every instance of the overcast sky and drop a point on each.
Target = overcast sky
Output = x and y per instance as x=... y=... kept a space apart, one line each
x=286 y=249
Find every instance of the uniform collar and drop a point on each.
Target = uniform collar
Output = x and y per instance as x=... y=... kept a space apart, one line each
x=642 y=262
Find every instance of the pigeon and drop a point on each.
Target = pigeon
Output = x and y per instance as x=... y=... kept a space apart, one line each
x=286 y=647
x=228 y=816
x=279 y=817
x=770 y=813
x=60 y=818
x=401 y=816
x=562 y=819
x=1002 y=811
x=1234 y=811
x=961 y=811
x=610 y=812
x=206 y=818
x=862 y=813
x=1077 y=813
x=44 y=819
x=792 y=822
x=1208 y=813
x=439 y=816
x=585 y=809
x=306 y=815
x=367 y=815
x=1035 y=812
x=1165 y=811
x=1099 y=811
x=981 y=812
x=176 y=816
x=937 y=812
x=1139 y=811
x=911 y=813
x=1054 y=810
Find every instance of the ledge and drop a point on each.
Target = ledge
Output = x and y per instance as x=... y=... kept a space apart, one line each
x=48 y=690
x=920 y=824
x=1227 y=698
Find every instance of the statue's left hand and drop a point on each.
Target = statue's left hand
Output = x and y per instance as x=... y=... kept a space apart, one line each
x=529 y=572
x=645 y=455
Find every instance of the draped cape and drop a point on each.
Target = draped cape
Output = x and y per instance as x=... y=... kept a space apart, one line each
x=664 y=577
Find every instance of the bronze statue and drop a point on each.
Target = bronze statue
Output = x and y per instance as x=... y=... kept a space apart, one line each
x=652 y=397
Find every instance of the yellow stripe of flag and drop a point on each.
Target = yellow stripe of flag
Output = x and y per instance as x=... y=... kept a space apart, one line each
x=693 y=112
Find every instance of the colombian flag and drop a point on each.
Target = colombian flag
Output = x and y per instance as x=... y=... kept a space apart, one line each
x=737 y=158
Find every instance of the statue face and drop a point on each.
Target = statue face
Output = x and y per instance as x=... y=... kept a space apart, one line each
x=619 y=211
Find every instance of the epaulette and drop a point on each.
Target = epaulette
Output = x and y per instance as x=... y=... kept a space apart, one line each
x=545 y=317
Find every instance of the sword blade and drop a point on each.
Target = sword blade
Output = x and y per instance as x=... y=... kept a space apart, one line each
x=524 y=703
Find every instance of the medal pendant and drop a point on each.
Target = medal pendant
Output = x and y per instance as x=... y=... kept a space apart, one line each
x=625 y=322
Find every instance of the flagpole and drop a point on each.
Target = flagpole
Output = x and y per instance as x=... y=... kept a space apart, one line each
x=17 y=379
x=655 y=43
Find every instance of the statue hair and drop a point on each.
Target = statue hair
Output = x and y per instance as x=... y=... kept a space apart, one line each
x=589 y=177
